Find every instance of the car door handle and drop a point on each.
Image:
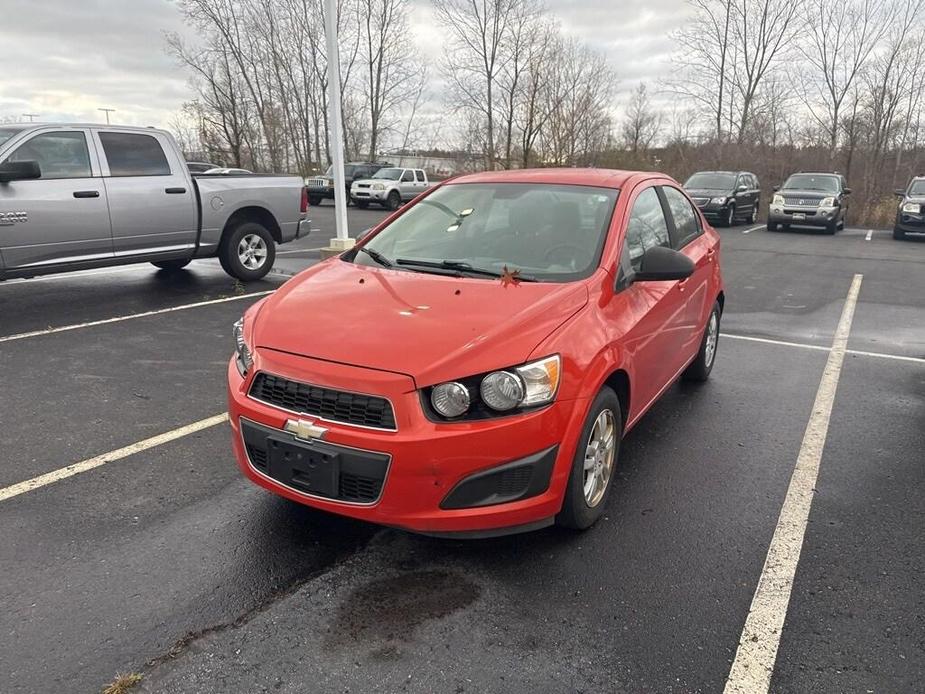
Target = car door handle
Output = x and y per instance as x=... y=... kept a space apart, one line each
x=86 y=193
x=174 y=191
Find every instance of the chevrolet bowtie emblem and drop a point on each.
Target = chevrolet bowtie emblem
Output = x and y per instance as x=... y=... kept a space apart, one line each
x=305 y=430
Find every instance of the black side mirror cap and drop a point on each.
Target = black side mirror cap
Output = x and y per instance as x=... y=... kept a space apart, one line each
x=19 y=171
x=741 y=189
x=775 y=188
x=899 y=193
x=846 y=191
x=660 y=264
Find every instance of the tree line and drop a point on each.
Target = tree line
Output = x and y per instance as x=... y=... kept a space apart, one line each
x=765 y=85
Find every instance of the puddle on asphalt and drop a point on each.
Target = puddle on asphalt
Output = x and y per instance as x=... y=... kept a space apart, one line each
x=390 y=609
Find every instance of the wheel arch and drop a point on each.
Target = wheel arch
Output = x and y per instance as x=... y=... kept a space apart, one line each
x=253 y=213
x=619 y=382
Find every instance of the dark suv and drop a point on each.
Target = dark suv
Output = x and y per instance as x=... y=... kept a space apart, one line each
x=910 y=216
x=810 y=200
x=725 y=196
x=321 y=187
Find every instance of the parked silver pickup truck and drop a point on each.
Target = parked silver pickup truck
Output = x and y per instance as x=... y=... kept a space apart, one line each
x=389 y=187
x=82 y=196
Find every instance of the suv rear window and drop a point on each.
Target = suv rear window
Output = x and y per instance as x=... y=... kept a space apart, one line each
x=134 y=155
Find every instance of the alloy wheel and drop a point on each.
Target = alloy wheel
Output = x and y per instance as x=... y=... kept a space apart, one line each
x=252 y=251
x=709 y=348
x=599 y=457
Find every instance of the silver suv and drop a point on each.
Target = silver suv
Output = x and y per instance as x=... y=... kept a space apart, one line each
x=810 y=200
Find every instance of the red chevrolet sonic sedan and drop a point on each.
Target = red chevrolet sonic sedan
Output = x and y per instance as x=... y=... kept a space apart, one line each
x=470 y=367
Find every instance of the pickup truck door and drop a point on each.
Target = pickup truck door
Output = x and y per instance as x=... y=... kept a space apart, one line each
x=151 y=198
x=61 y=217
x=407 y=185
x=420 y=181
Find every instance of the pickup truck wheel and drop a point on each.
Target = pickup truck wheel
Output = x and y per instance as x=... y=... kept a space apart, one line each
x=171 y=265
x=362 y=204
x=393 y=201
x=248 y=252
x=594 y=463
x=314 y=200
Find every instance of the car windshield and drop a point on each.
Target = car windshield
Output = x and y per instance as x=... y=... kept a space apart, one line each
x=827 y=184
x=917 y=187
x=348 y=170
x=7 y=133
x=391 y=174
x=711 y=181
x=547 y=232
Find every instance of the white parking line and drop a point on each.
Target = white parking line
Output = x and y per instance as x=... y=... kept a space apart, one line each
x=754 y=662
x=112 y=456
x=301 y=250
x=870 y=232
x=754 y=228
x=821 y=348
x=131 y=316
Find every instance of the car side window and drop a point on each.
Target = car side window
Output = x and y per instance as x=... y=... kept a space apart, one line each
x=647 y=226
x=407 y=177
x=134 y=155
x=686 y=220
x=420 y=175
x=59 y=155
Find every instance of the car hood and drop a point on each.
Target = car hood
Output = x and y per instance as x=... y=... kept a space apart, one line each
x=430 y=327
x=374 y=180
x=708 y=192
x=808 y=194
x=914 y=198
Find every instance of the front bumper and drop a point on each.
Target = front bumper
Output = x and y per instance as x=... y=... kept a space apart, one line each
x=368 y=194
x=304 y=228
x=319 y=192
x=910 y=222
x=433 y=468
x=803 y=216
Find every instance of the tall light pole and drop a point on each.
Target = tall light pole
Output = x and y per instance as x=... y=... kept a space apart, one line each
x=31 y=116
x=342 y=241
x=108 y=111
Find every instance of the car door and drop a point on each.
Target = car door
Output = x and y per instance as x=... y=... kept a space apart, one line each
x=407 y=185
x=152 y=206
x=649 y=318
x=420 y=179
x=687 y=236
x=61 y=217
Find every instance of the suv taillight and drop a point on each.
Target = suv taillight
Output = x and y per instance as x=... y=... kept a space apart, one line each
x=303 y=206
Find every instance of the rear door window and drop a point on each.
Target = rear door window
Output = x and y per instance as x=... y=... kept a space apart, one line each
x=59 y=155
x=647 y=226
x=686 y=220
x=420 y=175
x=132 y=154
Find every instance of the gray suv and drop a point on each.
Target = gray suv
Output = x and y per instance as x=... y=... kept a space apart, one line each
x=810 y=200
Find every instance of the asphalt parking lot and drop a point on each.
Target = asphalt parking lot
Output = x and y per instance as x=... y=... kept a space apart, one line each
x=155 y=555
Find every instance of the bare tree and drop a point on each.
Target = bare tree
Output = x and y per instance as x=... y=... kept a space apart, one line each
x=642 y=122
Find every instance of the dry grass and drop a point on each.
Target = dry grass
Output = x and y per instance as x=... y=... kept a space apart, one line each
x=122 y=683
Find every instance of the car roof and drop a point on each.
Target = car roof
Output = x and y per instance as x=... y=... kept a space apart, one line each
x=723 y=172
x=604 y=178
x=816 y=173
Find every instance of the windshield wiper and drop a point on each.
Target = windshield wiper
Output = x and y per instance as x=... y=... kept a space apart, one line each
x=377 y=256
x=461 y=266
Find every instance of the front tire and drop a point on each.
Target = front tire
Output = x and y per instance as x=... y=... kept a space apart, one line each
x=247 y=253
x=730 y=218
x=393 y=201
x=899 y=234
x=831 y=227
x=595 y=460
x=171 y=265
x=772 y=226
x=700 y=368
x=362 y=204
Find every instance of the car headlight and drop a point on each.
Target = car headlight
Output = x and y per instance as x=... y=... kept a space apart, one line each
x=378 y=186
x=912 y=207
x=499 y=391
x=243 y=358
x=450 y=399
x=718 y=201
x=778 y=199
x=827 y=202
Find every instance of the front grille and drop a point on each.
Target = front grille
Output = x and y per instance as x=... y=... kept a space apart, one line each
x=258 y=456
x=316 y=183
x=333 y=405
x=362 y=185
x=801 y=201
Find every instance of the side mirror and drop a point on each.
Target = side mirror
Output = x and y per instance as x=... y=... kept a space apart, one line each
x=19 y=171
x=775 y=188
x=899 y=193
x=660 y=264
x=363 y=234
x=847 y=191
x=741 y=189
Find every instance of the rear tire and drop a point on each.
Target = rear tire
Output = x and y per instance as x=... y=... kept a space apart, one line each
x=595 y=460
x=247 y=252
x=899 y=234
x=393 y=201
x=171 y=265
x=700 y=368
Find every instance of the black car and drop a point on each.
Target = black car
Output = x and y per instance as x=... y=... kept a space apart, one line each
x=321 y=187
x=910 y=216
x=810 y=200
x=725 y=197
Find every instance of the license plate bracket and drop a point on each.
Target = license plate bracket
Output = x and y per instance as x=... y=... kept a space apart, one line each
x=799 y=215
x=303 y=468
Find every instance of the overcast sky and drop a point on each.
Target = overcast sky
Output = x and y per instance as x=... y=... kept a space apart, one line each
x=75 y=56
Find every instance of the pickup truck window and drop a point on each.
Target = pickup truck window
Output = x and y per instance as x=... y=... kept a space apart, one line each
x=59 y=155
x=407 y=177
x=420 y=176
x=390 y=174
x=134 y=155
